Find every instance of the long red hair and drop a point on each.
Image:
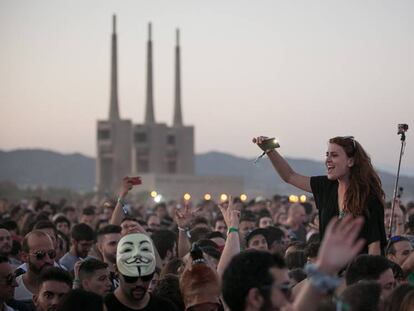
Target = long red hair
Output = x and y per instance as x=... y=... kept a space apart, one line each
x=363 y=179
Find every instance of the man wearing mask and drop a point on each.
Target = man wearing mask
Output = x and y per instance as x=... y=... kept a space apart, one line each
x=135 y=261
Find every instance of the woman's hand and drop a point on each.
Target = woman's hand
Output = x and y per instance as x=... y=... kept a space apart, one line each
x=259 y=140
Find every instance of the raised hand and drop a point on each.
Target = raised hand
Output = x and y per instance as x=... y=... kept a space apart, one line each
x=230 y=214
x=259 y=140
x=126 y=186
x=76 y=269
x=340 y=245
x=184 y=216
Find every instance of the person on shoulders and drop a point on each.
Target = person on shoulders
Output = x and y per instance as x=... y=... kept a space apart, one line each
x=351 y=186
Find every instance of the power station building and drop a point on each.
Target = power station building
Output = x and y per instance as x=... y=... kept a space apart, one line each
x=162 y=155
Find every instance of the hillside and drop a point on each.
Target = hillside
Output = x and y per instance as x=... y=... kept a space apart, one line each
x=77 y=172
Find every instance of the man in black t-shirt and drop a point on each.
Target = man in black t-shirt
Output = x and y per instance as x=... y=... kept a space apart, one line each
x=135 y=261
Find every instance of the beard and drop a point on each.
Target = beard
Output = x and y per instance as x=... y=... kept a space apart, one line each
x=5 y=250
x=37 y=270
x=110 y=257
x=137 y=293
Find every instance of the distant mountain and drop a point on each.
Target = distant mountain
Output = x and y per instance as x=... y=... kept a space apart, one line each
x=47 y=168
x=77 y=172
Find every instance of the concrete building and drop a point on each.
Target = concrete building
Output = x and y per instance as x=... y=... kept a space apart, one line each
x=162 y=155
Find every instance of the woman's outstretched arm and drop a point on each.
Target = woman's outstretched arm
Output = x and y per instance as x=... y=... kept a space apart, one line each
x=283 y=168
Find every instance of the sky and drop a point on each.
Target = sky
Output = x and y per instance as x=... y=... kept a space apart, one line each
x=301 y=71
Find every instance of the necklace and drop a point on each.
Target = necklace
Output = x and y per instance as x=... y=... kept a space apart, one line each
x=342 y=214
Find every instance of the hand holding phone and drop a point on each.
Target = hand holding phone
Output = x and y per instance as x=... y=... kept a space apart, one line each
x=135 y=180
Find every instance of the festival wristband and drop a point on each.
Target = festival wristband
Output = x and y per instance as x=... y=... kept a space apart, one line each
x=186 y=231
x=320 y=280
x=232 y=229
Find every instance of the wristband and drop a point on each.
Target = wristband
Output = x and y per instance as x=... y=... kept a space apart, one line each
x=123 y=205
x=232 y=229
x=121 y=201
x=321 y=281
x=186 y=230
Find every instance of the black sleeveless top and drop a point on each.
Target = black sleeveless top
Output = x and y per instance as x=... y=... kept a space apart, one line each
x=325 y=193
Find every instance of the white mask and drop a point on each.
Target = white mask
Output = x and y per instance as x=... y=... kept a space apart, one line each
x=135 y=255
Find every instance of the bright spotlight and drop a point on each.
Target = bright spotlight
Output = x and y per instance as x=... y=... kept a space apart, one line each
x=187 y=196
x=293 y=199
x=158 y=198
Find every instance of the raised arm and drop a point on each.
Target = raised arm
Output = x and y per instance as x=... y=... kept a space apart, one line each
x=118 y=214
x=339 y=246
x=232 y=247
x=183 y=218
x=283 y=168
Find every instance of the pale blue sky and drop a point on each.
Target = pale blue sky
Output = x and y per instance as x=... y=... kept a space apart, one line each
x=302 y=71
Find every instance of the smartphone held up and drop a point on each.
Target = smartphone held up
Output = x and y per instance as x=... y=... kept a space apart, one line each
x=135 y=180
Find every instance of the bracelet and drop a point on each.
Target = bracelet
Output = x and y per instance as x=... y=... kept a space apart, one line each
x=124 y=206
x=186 y=230
x=323 y=282
x=232 y=229
x=121 y=201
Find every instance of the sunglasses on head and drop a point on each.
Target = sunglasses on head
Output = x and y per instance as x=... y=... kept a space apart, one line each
x=351 y=138
x=134 y=279
x=41 y=254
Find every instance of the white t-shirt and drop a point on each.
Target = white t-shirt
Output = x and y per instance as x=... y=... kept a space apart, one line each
x=21 y=293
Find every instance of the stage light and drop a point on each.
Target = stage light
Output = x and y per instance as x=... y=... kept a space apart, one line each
x=223 y=197
x=154 y=194
x=158 y=198
x=243 y=197
x=293 y=198
x=302 y=198
x=207 y=197
x=187 y=197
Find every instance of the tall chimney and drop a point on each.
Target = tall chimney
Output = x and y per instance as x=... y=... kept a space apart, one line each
x=113 y=108
x=178 y=119
x=149 y=113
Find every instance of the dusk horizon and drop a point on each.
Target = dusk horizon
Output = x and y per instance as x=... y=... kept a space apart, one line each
x=299 y=72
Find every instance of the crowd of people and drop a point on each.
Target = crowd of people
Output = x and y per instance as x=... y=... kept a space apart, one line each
x=329 y=253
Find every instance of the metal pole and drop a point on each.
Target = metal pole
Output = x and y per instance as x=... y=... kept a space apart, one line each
x=396 y=184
